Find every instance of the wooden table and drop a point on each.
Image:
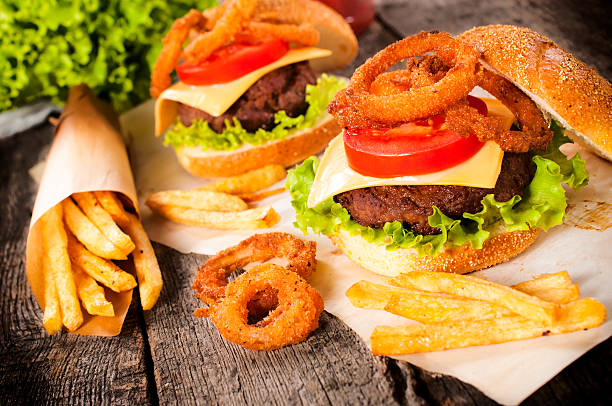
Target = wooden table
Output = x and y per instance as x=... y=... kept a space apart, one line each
x=168 y=356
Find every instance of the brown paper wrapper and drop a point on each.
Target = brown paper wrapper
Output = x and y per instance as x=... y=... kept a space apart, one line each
x=87 y=154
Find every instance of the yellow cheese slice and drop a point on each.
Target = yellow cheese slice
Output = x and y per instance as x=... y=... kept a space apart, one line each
x=216 y=99
x=334 y=175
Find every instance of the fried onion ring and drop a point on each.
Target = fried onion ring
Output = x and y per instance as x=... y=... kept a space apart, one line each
x=291 y=322
x=465 y=120
x=211 y=279
x=171 y=51
x=418 y=73
x=348 y=116
x=303 y=34
x=234 y=15
x=416 y=103
x=534 y=133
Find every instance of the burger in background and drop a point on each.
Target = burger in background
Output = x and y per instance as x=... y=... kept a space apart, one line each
x=250 y=92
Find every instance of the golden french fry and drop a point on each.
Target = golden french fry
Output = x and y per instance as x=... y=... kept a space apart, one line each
x=58 y=263
x=555 y=288
x=262 y=217
x=579 y=315
x=559 y=295
x=197 y=199
x=88 y=234
x=249 y=182
x=113 y=206
x=147 y=269
x=255 y=197
x=52 y=316
x=94 y=211
x=429 y=307
x=105 y=272
x=426 y=307
x=545 y=281
x=528 y=306
x=369 y=295
x=91 y=294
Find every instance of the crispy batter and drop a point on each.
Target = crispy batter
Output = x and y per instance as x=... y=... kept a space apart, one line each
x=295 y=317
x=416 y=102
x=226 y=27
x=422 y=72
x=211 y=281
x=171 y=51
x=466 y=120
x=303 y=34
x=534 y=133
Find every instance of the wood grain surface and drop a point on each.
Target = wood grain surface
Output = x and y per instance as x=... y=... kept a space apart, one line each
x=168 y=356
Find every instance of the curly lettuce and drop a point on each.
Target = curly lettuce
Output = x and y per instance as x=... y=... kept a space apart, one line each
x=234 y=135
x=47 y=46
x=542 y=206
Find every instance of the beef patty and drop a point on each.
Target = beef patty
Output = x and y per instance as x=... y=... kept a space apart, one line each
x=281 y=89
x=412 y=205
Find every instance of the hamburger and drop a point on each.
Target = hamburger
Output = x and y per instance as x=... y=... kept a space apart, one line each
x=250 y=92
x=425 y=176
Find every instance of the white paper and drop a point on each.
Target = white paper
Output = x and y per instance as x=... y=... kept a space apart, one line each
x=508 y=373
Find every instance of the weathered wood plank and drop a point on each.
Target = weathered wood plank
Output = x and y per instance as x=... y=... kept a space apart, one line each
x=34 y=367
x=582 y=27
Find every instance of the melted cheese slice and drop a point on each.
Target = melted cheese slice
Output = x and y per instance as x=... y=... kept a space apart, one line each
x=334 y=175
x=216 y=99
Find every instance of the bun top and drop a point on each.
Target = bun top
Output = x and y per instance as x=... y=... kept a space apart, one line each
x=334 y=33
x=562 y=86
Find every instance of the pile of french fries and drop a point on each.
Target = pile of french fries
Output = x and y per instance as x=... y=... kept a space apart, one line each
x=223 y=204
x=460 y=311
x=80 y=238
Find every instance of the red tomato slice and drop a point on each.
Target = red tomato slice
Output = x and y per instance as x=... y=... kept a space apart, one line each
x=411 y=149
x=231 y=62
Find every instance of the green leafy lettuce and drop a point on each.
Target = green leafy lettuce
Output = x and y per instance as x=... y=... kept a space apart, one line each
x=46 y=46
x=200 y=134
x=542 y=206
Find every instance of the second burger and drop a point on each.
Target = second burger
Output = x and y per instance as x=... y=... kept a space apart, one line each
x=248 y=92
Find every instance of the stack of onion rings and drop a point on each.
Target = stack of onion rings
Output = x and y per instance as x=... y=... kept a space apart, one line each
x=295 y=317
x=417 y=102
x=433 y=84
x=212 y=277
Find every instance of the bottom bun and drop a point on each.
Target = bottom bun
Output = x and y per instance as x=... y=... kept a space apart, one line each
x=464 y=259
x=286 y=152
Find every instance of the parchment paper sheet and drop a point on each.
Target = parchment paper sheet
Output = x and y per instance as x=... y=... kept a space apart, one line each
x=87 y=154
x=508 y=372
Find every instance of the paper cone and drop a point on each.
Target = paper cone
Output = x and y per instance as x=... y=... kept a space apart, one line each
x=87 y=154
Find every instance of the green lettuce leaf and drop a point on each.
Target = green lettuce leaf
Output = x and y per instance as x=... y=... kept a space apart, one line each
x=542 y=206
x=47 y=46
x=234 y=136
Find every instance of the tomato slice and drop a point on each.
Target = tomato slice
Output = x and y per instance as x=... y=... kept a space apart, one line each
x=231 y=62
x=410 y=149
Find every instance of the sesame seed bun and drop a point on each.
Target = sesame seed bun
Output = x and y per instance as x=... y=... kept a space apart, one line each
x=497 y=249
x=563 y=87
